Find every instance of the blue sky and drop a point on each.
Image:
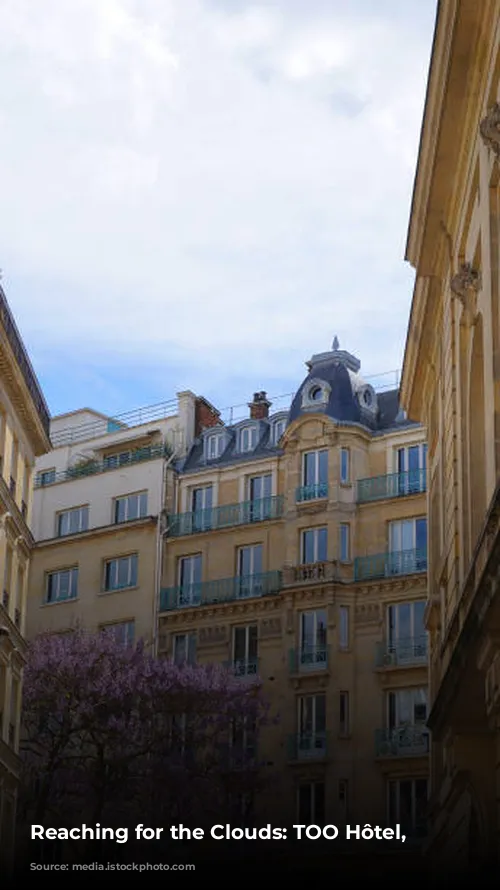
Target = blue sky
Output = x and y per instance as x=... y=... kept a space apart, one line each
x=201 y=194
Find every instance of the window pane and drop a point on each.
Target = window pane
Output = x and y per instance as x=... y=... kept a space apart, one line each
x=322 y=549
x=421 y=534
x=309 y=469
x=320 y=722
x=323 y=467
x=418 y=619
x=308 y=547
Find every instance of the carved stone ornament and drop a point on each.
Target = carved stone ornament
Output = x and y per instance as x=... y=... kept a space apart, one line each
x=490 y=129
x=465 y=285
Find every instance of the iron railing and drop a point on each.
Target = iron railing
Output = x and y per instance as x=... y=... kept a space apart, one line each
x=308 y=746
x=225 y=516
x=400 y=653
x=92 y=467
x=391 y=485
x=308 y=659
x=224 y=590
x=386 y=565
x=402 y=741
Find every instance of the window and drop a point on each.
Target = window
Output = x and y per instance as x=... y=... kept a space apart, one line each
x=279 y=428
x=250 y=570
x=344 y=627
x=344 y=797
x=314 y=476
x=407 y=805
x=248 y=438
x=243 y=739
x=345 y=542
x=121 y=573
x=406 y=707
x=311 y=803
x=112 y=461
x=312 y=726
x=62 y=585
x=313 y=640
x=132 y=506
x=185 y=649
x=201 y=507
x=46 y=477
x=70 y=522
x=344 y=466
x=214 y=445
x=260 y=492
x=406 y=633
x=190 y=580
x=124 y=632
x=344 y=716
x=314 y=545
x=408 y=546
x=411 y=467
x=245 y=643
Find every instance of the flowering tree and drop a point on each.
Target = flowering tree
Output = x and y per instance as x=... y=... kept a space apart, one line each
x=111 y=732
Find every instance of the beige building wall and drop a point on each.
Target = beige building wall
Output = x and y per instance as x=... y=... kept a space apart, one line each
x=24 y=435
x=358 y=762
x=451 y=384
x=98 y=505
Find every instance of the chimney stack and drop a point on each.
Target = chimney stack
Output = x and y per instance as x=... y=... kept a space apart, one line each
x=205 y=415
x=259 y=408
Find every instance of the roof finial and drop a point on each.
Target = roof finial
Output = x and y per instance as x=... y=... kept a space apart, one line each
x=335 y=344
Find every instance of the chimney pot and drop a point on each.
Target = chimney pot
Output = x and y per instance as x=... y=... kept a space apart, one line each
x=259 y=408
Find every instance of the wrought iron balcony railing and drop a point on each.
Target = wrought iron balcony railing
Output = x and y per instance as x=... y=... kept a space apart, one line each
x=402 y=741
x=308 y=746
x=386 y=565
x=308 y=659
x=314 y=571
x=24 y=364
x=402 y=653
x=225 y=516
x=311 y=492
x=246 y=668
x=92 y=467
x=224 y=590
x=391 y=485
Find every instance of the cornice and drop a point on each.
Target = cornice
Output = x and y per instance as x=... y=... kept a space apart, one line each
x=101 y=530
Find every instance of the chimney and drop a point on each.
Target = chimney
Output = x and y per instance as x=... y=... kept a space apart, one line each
x=259 y=408
x=205 y=415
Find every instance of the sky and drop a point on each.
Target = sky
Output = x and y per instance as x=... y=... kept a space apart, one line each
x=201 y=194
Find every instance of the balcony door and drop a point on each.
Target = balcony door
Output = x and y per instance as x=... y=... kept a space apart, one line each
x=190 y=580
x=313 y=635
x=245 y=650
x=406 y=633
x=250 y=561
x=411 y=467
x=408 y=546
x=312 y=726
x=201 y=506
x=260 y=491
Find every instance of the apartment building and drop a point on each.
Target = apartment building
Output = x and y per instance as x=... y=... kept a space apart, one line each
x=451 y=384
x=24 y=435
x=97 y=517
x=296 y=551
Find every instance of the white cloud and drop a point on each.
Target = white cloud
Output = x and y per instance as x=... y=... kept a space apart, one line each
x=210 y=181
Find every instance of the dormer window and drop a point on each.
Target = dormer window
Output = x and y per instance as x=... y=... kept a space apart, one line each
x=248 y=438
x=368 y=399
x=278 y=429
x=214 y=446
x=315 y=395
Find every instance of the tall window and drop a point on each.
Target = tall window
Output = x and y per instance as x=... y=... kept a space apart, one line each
x=250 y=570
x=408 y=545
x=312 y=725
x=407 y=805
x=245 y=648
x=314 y=545
x=123 y=633
x=62 y=585
x=190 y=579
x=406 y=633
x=311 y=803
x=131 y=506
x=344 y=716
x=201 y=507
x=121 y=573
x=260 y=491
x=344 y=466
x=185 y=649
x=314 y=476
x=345 y=541
x=70 y=522
x=406 y=707
x=344 y=629
x=411 y=466
x=214 y=446
x=243 y=738
x=313 y=640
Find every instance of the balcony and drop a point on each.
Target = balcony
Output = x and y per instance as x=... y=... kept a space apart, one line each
x=308 y=660
x=24 y=364
x=224 y=590
x=311 y=492
x=402 y=653
x=93 y=467
x=387 y=565
x=244 y=668
x=310 y=572
x=402 y=741
x=392 y=485
x=307 y=746
x=225 y=516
